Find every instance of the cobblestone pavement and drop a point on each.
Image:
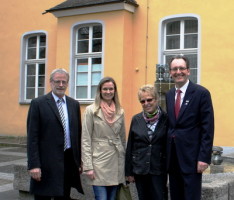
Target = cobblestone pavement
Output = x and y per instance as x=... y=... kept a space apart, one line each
x=8 y=156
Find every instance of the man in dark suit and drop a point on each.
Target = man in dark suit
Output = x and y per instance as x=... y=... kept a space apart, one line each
x=190 y=133
x=54 y=142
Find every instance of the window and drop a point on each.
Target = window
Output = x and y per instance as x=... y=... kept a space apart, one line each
x=180 y=36
x=33 y=66
x=87 y=61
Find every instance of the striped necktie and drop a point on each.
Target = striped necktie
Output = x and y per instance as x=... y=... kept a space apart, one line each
x=60 y=108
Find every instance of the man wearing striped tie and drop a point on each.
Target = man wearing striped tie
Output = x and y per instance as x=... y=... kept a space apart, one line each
x=54 y=136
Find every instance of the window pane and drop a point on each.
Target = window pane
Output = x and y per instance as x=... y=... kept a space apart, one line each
x=97 y=32
x=81 y=92
x=96 y=77
x=96 y=67
x=82 y=79
x=31 y=81
x=93 y=91
x=41 y=91
x=42 y=52
x=32 y=41
x=82 y=68
x=96 y=64
x=97 y=45
x=41 y=81
x=193 y=75
x=41 y=69
x=42 y=41
x=191 y=26
x=173 y=28
x=32 y=53
x=30 y=93
x=83 y=33
x=96 y=60
x=173 y=42
x=83 y=46
x=192 y=60
x=82 y=65
x=31 y=70
x=190 y=41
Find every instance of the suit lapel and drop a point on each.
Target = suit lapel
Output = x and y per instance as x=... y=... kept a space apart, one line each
x=157 y=132
x=171 y=104
x=53 y=106
x=143 y=126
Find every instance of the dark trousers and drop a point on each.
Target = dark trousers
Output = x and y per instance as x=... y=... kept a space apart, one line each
x=69 y=168
x=151 y=187
x=183 y=186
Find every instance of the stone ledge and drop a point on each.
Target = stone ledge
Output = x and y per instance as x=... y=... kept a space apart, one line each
x=22 y=181
x=214 y=187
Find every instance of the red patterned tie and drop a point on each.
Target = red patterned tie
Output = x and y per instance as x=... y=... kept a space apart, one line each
x=177 y=103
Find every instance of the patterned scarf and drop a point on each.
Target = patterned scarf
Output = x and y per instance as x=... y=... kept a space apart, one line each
x=108 y=112
x=151 y=118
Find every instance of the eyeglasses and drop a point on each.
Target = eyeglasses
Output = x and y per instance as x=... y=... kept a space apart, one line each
x=175 y=69
x=57 y=82
x=146 y=100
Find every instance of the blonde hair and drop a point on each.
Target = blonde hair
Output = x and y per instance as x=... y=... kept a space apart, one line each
x=148 y=89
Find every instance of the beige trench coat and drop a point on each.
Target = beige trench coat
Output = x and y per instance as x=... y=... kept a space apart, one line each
x=103 y=148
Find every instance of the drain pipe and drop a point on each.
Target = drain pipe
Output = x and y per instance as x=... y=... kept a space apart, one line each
x=146 y=50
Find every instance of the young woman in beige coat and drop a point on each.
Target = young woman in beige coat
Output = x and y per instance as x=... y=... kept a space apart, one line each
x=103 y=141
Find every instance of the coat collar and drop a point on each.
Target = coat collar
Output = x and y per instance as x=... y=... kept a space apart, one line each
x=140 y=119
x=116 y=126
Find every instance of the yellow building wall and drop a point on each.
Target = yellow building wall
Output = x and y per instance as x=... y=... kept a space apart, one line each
x=130 y=53
x=17 y=18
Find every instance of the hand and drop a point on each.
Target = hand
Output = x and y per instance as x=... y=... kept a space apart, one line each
x=201 y=166
x=90 y=174
x=35 y=174
x=130 y=179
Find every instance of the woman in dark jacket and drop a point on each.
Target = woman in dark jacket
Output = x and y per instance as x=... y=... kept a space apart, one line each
x=146 y=149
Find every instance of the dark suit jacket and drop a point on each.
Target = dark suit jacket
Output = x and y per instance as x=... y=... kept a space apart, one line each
x=193 y=131
x=46 y=144
x=142 y=155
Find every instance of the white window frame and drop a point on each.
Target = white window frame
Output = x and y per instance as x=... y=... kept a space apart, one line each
x=75 y=56
x=162 y=40
x=24 y=62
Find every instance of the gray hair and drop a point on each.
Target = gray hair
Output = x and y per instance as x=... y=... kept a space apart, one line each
x=60 y=71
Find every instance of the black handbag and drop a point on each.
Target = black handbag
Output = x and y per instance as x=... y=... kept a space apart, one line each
x=123 y=192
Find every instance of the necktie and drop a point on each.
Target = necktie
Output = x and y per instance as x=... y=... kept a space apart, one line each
x=60 y=108
x=177 y=103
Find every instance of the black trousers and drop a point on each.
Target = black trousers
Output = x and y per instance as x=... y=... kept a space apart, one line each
x=151 y=187
x=69 y=168
x=183 y=186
